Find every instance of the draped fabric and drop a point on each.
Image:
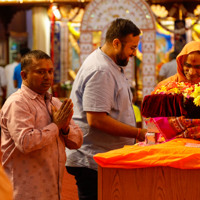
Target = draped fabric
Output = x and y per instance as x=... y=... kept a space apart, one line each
x=164 y=105
x=178 y=153
x=41 y=29
x=168 y=105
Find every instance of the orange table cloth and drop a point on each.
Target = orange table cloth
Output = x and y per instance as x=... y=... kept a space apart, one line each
x=178 y=153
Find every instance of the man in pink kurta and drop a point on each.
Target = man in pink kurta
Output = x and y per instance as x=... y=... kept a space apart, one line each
x=35 y=131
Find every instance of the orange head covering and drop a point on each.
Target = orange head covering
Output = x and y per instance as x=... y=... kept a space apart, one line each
x=187 y=49
x=180 y=59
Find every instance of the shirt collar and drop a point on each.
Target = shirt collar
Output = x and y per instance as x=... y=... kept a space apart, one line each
x=120 y=68
x=34 y=95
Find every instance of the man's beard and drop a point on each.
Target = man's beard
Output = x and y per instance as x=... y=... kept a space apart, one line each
x=121 y=62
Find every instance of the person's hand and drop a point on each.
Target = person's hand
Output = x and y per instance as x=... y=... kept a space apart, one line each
x=141 y=135
x=63 y=116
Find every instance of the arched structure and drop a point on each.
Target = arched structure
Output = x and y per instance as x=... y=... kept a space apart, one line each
x=97 y=17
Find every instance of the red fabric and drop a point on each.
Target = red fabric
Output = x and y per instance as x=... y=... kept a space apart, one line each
x=178 y=153
x=163 y=105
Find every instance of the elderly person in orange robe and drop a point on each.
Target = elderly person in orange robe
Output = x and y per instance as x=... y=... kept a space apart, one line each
x=188 y=65
x=188 y=70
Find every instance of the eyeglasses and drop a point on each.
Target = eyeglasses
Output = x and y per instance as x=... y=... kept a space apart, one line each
x=133 y=48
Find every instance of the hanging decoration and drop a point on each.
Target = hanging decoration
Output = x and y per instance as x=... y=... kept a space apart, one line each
x=176 y=8
x=72 y=30
x=178 y=31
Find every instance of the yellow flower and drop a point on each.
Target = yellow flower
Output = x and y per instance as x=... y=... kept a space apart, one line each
x=174 y=91
x=197 y=101
x=196 y=92
x=161 y=89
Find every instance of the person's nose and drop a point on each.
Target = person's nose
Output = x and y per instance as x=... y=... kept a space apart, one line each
x=192 y=71
x=47 y=75
x=133 y=53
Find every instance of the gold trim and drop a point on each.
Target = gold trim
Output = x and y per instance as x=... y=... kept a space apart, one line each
x=7 y=2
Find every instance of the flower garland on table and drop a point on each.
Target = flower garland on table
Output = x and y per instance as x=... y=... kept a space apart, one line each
x=186 y=89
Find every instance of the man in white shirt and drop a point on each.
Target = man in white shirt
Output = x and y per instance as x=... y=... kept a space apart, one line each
x=103 y=105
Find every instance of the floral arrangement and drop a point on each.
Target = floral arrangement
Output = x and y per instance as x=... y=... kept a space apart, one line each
x=186 y=89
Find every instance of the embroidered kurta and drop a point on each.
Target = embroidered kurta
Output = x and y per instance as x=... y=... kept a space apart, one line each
x=33 y=149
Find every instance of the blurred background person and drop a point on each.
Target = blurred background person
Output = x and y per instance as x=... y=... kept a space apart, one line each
x=9 y=70
x=168 y=69
x=17 y=71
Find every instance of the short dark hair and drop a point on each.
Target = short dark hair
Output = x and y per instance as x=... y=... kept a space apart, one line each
x=28 y=58
x=24 y=50
x=120 y=28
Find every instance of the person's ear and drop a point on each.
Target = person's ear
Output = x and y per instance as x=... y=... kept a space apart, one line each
x=116 y=43
x=23 y=75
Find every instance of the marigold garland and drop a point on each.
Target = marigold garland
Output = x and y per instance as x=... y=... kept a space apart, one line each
x=187 y=89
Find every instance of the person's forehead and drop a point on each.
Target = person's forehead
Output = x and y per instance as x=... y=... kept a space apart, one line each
x=42 y=63
x=193 y=58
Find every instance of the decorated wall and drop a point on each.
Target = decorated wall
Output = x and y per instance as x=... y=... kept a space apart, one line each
x=98 y=16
